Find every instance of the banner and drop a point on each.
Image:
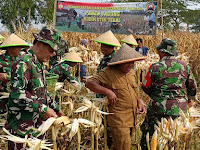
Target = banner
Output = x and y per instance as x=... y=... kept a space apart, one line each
x=120 y=18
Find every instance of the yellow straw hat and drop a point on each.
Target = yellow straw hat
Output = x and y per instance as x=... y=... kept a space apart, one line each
x=124 y=55
x=1 y=37
x=13 y=40
x=108 y=38
x=130 y=40
x=72 y=57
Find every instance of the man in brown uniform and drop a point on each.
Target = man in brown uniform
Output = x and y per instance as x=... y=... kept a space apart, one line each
x=118 y=83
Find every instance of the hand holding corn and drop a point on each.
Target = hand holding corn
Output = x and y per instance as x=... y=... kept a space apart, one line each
x=3 y=77
x=50 y=113
x=60 y=113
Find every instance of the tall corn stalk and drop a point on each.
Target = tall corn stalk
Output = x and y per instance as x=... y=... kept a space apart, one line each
x=79 y=139
x=105 y=129
x=92 y=113
x=54 y=138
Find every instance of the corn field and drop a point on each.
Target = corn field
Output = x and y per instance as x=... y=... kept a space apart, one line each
x=186 y=43
x=82 y=127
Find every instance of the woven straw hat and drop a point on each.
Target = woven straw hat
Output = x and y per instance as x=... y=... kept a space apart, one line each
x=108 y=38
x=130 y=40
x=124 y=55
x=13 y=40
x=72 y=57
x=1 y=37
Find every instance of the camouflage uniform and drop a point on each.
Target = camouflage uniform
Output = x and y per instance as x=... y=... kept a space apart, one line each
x=105 y=60
x=169 y=83
x=63 y=48
x=64 y=72
x=29 y=98
x=6 y=62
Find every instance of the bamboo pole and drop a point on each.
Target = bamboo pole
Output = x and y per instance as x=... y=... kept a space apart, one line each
x=79 y=71
x=105 y=128
x=162 y=18
x=157 y=18
x=54 y=14
x=92 y=113
x=29 y=19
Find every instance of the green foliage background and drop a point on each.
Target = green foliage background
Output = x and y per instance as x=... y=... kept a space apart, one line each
x=16 y=13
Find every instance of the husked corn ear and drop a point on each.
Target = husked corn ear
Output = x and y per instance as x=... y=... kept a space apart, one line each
x=46 y=125
x=63 y=119
x=154 y=141
x=37 y=146
x=147 y=139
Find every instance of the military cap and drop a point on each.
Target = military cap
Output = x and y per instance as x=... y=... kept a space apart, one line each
x=168 y=46
x=49 y=36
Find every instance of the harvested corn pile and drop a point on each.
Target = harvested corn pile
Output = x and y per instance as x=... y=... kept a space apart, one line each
x=181 y=133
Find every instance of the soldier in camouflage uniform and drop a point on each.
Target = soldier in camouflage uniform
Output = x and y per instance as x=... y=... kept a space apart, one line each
x=108 y=42
x=63 y=69
x=29 y=101
x=13 y=45
x=63 y=48
x=170 y=84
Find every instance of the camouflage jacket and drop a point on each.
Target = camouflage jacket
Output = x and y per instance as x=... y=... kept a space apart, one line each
x=55 y=59
x=64 y=72
x=105 y=60
x=6 y=62
x=29 y=97
x=169 y=83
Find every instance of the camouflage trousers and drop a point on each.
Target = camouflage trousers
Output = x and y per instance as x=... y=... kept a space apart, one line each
x=20 y=146
x=151 y=119
x=3 y=108
x=15 y=146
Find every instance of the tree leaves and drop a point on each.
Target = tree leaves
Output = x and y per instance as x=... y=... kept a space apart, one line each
x=14 y=13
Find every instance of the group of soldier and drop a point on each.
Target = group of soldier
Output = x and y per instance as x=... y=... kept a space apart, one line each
x=169 y=83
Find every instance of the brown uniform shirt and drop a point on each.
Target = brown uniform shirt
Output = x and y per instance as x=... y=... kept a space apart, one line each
x=124 y=86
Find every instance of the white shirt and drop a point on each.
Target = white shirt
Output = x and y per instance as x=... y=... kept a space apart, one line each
x=140 y=51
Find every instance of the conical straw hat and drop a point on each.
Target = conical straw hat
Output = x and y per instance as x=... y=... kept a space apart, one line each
x=130 y=40
x=13 y=40
x=1 y=37
x=73 y=57
x=124 y=55
x=108 y=38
